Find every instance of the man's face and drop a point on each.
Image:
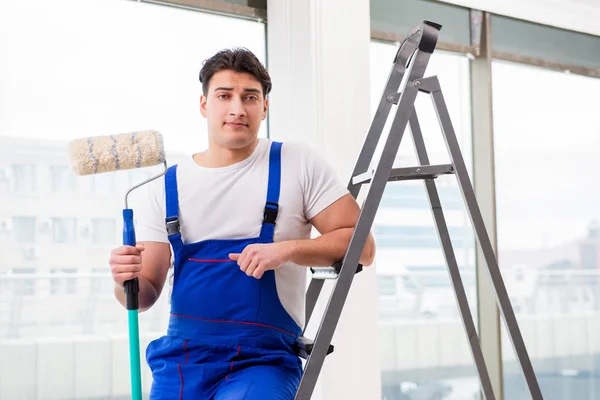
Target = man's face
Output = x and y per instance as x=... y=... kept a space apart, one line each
x=234 y=107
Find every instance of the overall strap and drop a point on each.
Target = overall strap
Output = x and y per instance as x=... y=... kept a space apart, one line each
x=172 y=209
x=272 y=206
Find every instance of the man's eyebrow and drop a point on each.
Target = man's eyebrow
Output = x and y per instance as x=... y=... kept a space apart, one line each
x=251 y=90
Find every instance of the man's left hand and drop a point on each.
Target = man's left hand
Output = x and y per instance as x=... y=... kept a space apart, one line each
x=255 y=259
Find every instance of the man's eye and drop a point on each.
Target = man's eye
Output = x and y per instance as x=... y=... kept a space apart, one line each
x=222 y=96
x=252 y=98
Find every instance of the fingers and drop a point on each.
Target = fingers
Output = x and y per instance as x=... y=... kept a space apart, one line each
x=251 y=267
x=245 y=258
x=126 y=268
x=258 y=272
x=126 y=263
x=248 y=260
x=121 y=260
x=121 y=278
x=128 y=250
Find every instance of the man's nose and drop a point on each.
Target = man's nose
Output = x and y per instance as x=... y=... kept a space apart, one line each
x=237 y=107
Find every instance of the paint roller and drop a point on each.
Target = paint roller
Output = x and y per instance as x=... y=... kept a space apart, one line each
x=101 y=154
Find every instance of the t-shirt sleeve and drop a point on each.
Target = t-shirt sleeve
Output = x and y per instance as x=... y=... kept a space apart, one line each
x=150 y=213
x=321 y=185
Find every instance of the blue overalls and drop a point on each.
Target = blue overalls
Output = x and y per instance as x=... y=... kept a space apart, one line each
x=229 y=337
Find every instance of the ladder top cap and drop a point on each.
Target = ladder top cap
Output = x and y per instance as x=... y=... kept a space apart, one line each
x=433 y=25
x=429 y=36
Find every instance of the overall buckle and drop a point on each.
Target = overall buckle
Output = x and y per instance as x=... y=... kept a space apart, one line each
x=271 y=211
x=173 y=226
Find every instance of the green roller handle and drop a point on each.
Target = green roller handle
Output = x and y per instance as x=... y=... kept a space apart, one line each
x=134 y=355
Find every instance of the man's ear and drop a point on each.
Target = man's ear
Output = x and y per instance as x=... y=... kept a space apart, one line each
x=203 y=105
x=266 y=107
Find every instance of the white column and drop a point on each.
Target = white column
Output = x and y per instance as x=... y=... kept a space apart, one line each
x=318 y=58
x=485 y=190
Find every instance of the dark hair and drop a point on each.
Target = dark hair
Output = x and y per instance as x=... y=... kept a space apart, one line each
x=239 y=60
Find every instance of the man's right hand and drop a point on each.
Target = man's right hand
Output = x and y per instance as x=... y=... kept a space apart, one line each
x=126 y=263
x=147 y=261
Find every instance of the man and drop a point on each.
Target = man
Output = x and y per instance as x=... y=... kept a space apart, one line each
x=237 y=219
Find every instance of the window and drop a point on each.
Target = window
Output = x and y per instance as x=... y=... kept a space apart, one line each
x=24 y=229
x=63 y=179
x=141 y=73
x=24 y=281
x=24 y=178
x=411 y=196
x=63 y=284
x=64 y=230
x=546 y=144
x=402 y=15
x=419 y=236
x=5 y=174
x=418 y=312
x=386 y=285
x=104 y=231
x=103 y=184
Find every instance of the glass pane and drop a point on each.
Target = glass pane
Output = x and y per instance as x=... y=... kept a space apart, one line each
x=62 y=283
x=63 y=179
x=423 y=349
x=103 y=184
x=24 y=281
x=24 y=229
x=64 y=230
x=5 y=174
x=546 y=145
x=92 y=68
x=24 y=178
x=545 y=42
x=401 y=16
x=104 y=231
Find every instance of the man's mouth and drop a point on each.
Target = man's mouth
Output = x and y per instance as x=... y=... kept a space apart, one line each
x=236 y=124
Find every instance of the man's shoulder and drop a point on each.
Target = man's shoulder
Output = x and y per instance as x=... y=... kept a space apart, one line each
x=296 y=146
x=299 y=152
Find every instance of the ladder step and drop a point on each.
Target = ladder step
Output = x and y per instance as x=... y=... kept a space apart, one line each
x=330 y=272
x=408 y=173
x=324 y=273
x=305 y=345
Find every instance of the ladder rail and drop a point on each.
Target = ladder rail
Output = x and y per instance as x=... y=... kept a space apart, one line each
x=446 y=243
x=431 y=86
x=312 y=296
x=389 y=97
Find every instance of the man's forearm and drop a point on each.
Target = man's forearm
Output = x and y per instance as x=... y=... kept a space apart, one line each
x=327 y=249
x=146 y=297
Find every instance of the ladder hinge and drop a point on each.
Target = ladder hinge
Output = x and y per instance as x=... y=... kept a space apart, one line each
x=394 y=98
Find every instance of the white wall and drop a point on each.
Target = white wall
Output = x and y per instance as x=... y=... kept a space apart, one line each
x=318 y=57
x=576 y=15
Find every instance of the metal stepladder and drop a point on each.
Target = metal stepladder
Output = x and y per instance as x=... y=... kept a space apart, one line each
x=411 y=59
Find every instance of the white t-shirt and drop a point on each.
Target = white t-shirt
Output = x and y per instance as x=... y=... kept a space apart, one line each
x=228 y=203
